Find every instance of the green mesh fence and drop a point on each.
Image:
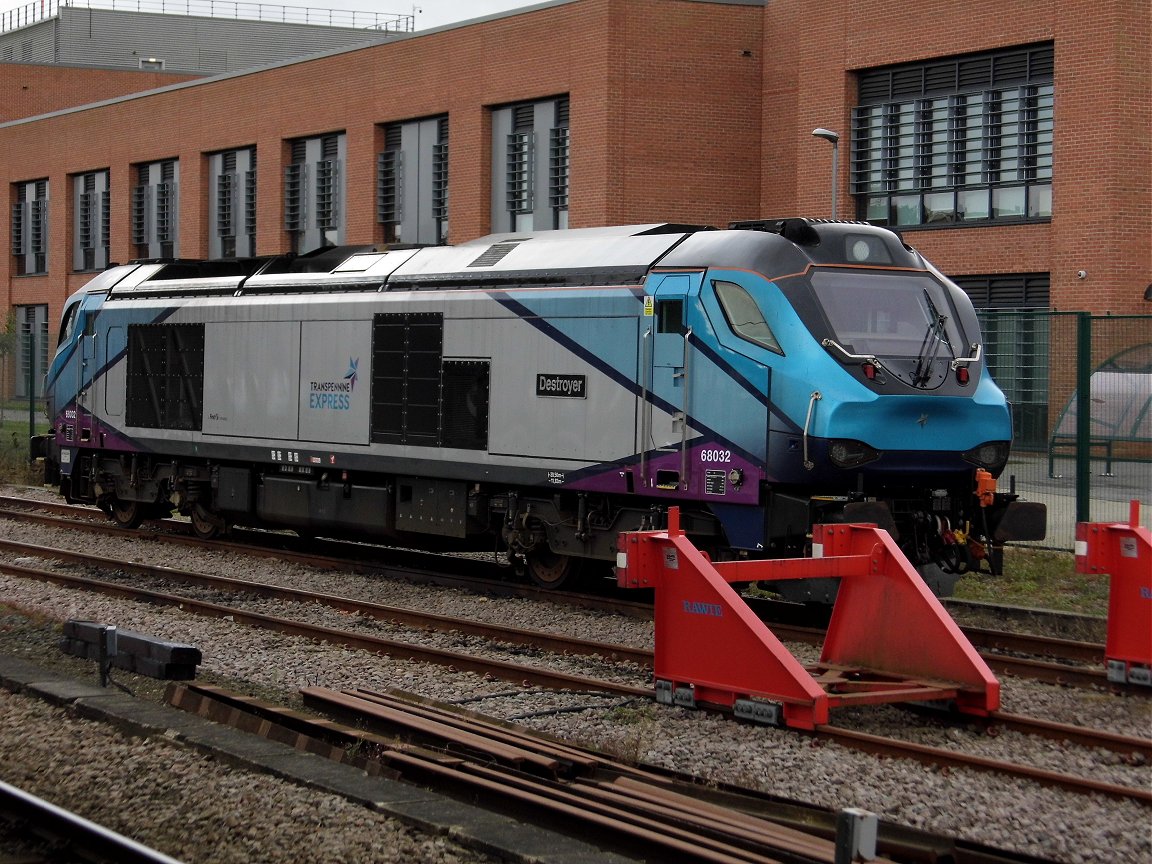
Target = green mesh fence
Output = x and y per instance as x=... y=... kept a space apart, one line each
x=1080 y=387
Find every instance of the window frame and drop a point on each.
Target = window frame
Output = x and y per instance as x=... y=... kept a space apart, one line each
x=725 y=309
x=952 y=142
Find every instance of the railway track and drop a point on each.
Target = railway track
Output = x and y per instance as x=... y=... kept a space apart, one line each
x=35 y=831
x=1056 y=661
x=630 y=683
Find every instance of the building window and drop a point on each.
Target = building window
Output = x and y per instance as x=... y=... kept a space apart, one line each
x=530 y=147
x=558 y=145
x=1014 y=318
x=155 y=210
x=90 y=231
x=955 y=141
x=519 y=160
x=30 y=228
x=232 y=211
x=412 y=182
x=32 y=350
x=314 y=192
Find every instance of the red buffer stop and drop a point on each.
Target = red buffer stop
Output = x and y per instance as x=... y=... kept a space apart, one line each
x=889 y=638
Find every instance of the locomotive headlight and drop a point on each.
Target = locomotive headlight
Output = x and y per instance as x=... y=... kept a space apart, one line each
x=851 y=454
x=991 y=455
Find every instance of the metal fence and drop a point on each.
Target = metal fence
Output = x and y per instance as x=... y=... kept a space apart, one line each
x=388 y=22
x=1081 y=392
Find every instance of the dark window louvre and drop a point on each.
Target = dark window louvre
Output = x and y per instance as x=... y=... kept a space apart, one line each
x=1028 y=65
x=140 y=196
x=295 y=176
x=1007 y=291
x=465 y=408
x=165 y=381
x=406 y=372
x=388 y=167
x=523 y=117
x=393 y=136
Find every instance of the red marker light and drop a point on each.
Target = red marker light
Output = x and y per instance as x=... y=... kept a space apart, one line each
x=869 y=371
x=962 y=375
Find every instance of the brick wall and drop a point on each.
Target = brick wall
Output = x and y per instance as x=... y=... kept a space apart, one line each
x=1102 y=189
x=684 y=111
x=29 y=89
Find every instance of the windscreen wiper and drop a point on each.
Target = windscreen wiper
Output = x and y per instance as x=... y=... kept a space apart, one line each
x=934 y=336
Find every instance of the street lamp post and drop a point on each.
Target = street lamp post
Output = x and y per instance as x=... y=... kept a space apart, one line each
x=834 y=139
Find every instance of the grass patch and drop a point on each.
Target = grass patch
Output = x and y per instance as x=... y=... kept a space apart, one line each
x=15 y=465
x=1039 y=579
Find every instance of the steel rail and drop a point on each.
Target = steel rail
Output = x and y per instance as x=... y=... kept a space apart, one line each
x=362 y=642
x=83 y=840
x=885 y=746
x=1055 y=673
x=1070 y=651
x=394 y=614
x=540 y=677
x=525 y=674
x=647 y=790
x=551 y=642
x=279 y=546
x=1127 y=744
x=642 y=810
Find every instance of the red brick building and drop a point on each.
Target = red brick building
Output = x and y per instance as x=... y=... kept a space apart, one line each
x=1010 y=141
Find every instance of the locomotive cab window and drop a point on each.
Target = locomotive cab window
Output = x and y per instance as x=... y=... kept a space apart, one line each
x=888 y=314
x=745 y=316
x=68 y=324
x=670 y=316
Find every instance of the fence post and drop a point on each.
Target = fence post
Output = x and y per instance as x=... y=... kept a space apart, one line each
x=31 y=390
x=1083 y=415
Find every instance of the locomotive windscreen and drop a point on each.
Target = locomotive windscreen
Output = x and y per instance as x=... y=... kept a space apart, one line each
x=891 y=315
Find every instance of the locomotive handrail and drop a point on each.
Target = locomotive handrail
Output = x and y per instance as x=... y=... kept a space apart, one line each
x=976 y=348
x=848 y=355
x=684 y=479
x=646 y=408
x=975 y=358
x=813 y=399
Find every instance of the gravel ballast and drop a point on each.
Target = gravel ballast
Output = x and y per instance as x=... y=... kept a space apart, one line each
x=978 y=806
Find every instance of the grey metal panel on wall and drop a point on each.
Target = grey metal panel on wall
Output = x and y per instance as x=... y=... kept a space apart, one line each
x=540 y=216
x=34 y=44
x=418 y=138
x=102 y=37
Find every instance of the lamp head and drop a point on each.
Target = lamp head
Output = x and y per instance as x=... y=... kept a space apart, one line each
x=826 y=134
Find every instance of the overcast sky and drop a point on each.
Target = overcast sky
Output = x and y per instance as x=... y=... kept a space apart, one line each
x=434 y=13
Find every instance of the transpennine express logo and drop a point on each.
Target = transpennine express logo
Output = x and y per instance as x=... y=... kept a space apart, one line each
x=334 y=395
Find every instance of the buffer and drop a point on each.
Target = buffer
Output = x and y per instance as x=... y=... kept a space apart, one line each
x=889 y=638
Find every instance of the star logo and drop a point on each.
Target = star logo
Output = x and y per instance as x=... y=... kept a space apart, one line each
x=351 y=374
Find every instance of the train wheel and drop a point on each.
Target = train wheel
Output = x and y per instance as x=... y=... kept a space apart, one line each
x=126 y=514
x=550 y=569
x=205 y=524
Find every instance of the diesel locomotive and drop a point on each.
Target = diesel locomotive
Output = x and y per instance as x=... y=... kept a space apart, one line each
x=542 y=392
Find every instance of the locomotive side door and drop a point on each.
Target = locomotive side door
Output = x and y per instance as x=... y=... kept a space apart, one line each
x=85 y=397
x=667 y=406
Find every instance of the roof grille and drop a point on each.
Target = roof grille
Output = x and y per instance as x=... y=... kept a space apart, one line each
x=493 y=254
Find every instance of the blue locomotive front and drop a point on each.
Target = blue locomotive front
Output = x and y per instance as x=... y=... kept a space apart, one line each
x=547 y=391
